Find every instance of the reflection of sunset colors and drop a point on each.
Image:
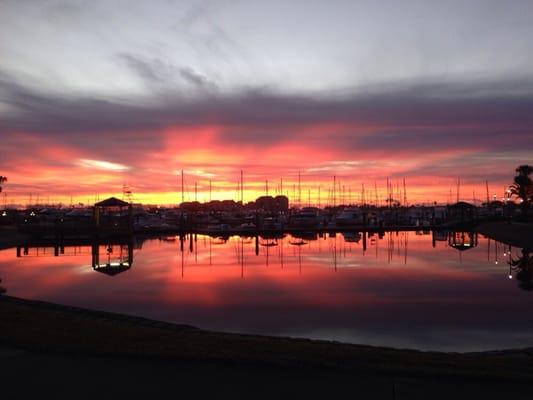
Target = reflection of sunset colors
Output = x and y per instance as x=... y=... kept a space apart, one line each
x=401 y=291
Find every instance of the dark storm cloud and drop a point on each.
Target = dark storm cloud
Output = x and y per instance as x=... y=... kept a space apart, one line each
x=423 y=115
x=52 y=113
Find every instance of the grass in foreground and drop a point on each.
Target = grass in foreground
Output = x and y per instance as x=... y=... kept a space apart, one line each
x=40 y=326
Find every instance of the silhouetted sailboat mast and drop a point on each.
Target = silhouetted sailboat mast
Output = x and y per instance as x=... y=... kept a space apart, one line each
x=334 y=190
x=242 y=187
x=182 y=188
x=404 y=194
x=299 y=189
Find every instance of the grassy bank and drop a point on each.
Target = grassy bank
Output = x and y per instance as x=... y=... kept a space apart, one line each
x=38 y=326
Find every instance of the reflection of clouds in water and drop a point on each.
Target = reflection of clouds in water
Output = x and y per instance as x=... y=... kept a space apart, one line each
x=434 y=301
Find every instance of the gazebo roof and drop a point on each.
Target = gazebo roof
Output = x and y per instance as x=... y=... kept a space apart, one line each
x=462 y=204
x=496 y=203
x=112 y=270
x=112 y=202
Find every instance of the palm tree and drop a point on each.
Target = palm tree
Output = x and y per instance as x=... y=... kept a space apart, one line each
x=3 y=180
x=523 y=187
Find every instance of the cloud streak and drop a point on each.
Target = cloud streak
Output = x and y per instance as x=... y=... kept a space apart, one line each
x=156 y=72
x=102 y=165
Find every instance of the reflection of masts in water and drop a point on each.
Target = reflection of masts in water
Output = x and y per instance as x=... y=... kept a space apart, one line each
x=210 y=250
x=281 y=252
x=394 y=246
x=390 y=247
x=237 y=252
x=406 y=241
x=300 y=259
x=377 y=246
x=335 y=254
x=182 y=251
x=242 y=259
x=399 y=243
x=268 y=244
x=195 y=250
x=344 y=248
x=299 y=243
x=197 y=245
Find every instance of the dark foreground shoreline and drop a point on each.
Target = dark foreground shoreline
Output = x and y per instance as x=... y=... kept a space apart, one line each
x=62 y=338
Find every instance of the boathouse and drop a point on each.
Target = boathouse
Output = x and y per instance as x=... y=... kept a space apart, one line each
x=113 y=217
x=461 y=212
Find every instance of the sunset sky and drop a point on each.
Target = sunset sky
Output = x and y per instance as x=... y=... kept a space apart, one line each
x=98 y=94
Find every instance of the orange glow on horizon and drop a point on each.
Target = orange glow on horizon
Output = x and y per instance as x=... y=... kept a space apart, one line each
x=55 y=173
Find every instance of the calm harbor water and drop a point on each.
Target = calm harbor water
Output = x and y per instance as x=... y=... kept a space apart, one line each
x=406 y=289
